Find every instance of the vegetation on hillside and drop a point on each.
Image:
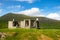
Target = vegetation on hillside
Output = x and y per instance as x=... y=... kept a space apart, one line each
x=44 y=22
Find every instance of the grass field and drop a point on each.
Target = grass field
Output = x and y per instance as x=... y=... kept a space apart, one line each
x=32 y=34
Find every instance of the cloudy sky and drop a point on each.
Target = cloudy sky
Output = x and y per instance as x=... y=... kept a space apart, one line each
x=44 y=8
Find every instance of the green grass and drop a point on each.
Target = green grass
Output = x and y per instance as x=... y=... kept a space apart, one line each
x=50 y=25
x=3 y=24
x=31 y=34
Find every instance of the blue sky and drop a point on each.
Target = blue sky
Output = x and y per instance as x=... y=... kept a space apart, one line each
x=47 y=8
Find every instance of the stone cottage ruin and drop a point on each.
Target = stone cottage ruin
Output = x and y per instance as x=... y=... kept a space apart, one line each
x=26 y=23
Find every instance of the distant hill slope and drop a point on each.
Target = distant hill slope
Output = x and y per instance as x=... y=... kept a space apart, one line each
x=44 y=22
x=11 y=16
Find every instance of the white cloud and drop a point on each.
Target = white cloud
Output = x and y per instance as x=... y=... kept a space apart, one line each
x=1 y=10
x=58 y=7
x=29 y=1
x=16 y=6
x=31 y=12
x=38 y=12
x=54 y=16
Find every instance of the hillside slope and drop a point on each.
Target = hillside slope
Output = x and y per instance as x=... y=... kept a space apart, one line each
x=44 y=22
x=11 y=16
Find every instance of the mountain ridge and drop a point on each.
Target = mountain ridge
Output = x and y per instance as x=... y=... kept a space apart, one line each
x=44 y=22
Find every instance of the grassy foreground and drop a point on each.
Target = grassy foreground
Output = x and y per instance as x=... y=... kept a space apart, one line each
x=32 y=34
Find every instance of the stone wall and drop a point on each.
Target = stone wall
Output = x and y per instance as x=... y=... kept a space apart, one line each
x=10 y=25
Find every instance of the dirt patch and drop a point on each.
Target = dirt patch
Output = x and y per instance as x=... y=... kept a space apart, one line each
x=44 y=37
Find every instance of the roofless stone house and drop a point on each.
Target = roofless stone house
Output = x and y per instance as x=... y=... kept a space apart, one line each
x=26 y=23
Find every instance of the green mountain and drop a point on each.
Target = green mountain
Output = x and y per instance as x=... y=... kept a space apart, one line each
x=11 y=16
x=44 y=22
